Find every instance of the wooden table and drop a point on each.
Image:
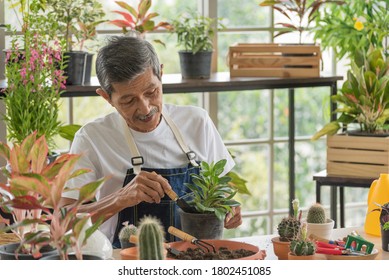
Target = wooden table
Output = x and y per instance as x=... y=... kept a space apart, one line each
x=264 y=243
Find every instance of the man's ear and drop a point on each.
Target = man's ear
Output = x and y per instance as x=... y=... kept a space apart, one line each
x=104 y=95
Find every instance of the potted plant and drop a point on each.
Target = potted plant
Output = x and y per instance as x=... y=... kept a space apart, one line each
x=35 y=188
x=288 y=229
x=76 y=19
x=300 y=14
x=138 y=20
x=125 y=234
x=194 y=37
x=212 y=198
x=350 y=28
x=384 y=223
x=363 y=101
x=302 y=248
x=317 y=223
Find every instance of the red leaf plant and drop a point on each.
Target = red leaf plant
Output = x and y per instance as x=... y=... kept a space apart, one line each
x=33 y=194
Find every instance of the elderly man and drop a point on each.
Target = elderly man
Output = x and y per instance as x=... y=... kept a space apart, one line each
x=147 y=147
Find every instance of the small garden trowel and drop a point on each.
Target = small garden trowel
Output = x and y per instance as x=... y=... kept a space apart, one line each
x=181 y=202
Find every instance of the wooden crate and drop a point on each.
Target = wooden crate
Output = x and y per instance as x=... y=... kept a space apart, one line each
x=274 y=60
x=357 y=156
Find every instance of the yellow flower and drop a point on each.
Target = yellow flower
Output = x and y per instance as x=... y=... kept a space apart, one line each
x=358 y=25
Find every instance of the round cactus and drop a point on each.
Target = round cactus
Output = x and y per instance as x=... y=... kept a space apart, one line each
x=125 y=233
x=151 y=237
x=302 y=247
x=316 y=214
x=288 y=229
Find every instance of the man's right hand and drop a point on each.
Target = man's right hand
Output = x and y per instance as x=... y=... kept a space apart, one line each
x=146 y=186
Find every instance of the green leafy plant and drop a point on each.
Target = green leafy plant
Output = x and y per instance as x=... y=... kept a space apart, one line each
x=212 y=194
x=364 y=96
x=300 y=13
x=138 y=19
x=289 y=227
x=34 y=72
x=353 y=27
x=302 y=246
x=33 y=194
x=195 y=32
x=75 y=19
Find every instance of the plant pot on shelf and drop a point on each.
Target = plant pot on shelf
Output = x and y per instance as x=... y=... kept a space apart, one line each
x=201 y=226
x=75 y=71
x=321 y=230
x=195 y=66
x=281 y=248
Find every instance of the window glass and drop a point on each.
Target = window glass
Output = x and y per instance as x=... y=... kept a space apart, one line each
x=243 y=13
x=281 y=177
x=249 y=227
x=243 y=114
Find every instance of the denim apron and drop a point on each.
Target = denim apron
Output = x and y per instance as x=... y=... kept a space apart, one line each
x=166 y=210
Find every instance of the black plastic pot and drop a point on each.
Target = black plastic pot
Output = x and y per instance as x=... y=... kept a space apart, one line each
x=385 y=240
x=88 y=68
x=201 y=226
x=195 y=66
x=76 y=67
x=7 y=252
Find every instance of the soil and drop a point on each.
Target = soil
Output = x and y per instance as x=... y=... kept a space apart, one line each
x=222 y=254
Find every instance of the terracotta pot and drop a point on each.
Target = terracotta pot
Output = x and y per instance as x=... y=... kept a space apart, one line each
x=132 y=253
x=294 y=257
x=281 y=248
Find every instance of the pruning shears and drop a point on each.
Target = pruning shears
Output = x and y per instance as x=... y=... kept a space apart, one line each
x=333 y=249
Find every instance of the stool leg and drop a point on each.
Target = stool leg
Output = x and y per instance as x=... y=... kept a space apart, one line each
x=341 y=201
x=334 y=201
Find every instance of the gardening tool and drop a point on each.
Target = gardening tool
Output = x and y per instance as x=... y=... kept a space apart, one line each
x=134 y=239
x=332 y=249
x=181 y=202
x=204 y=246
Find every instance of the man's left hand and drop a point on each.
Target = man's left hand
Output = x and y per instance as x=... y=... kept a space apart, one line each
x=233 y=221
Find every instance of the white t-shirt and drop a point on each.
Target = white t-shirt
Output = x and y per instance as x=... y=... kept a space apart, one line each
x=105 y=151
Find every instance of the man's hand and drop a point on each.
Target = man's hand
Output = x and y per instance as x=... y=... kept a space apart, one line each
x=146 y=186
x=233 y=221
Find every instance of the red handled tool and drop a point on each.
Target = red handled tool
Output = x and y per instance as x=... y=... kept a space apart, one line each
x=332 y=249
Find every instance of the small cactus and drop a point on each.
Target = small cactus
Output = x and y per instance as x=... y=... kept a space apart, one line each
x=302 y=246
x=124 y=235
x=288 y=229
x=151 y=237
x=316 y=214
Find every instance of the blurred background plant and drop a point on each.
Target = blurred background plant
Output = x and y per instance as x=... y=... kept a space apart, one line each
x=300 y=13
x=352 y=27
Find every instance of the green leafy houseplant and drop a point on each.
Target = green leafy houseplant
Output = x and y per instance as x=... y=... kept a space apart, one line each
x=300 y=13
x=211 y=193
x=364 y=96
x=195 y=32
x=138 y=19
x=33 y=193
x=353 y=27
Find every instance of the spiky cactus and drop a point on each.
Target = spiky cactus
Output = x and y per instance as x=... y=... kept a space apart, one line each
x=125 y=233
x=151 y=237
x=288 y=229
x=302 y=246
x=316 y=214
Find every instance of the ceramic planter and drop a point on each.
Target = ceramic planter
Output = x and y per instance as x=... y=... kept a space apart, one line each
x=195 y=66
x=73 y=257
x=281 y=248
x=7 y=252
x=201 y=226
x=304 y=258
x=321 y=230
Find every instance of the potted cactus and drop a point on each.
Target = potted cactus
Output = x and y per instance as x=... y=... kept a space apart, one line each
x=125 y=234
x=151 y=237
x=302 y=248
x=288 y=230
x=318 y=225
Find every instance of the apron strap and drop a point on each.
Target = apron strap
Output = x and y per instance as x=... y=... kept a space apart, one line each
x=189 y=154
x=137 y=160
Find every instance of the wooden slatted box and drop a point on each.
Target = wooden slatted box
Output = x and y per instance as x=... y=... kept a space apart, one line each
x=274 y=60
x=357 y=156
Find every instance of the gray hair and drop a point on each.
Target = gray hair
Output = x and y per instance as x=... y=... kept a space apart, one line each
x=123 y=59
